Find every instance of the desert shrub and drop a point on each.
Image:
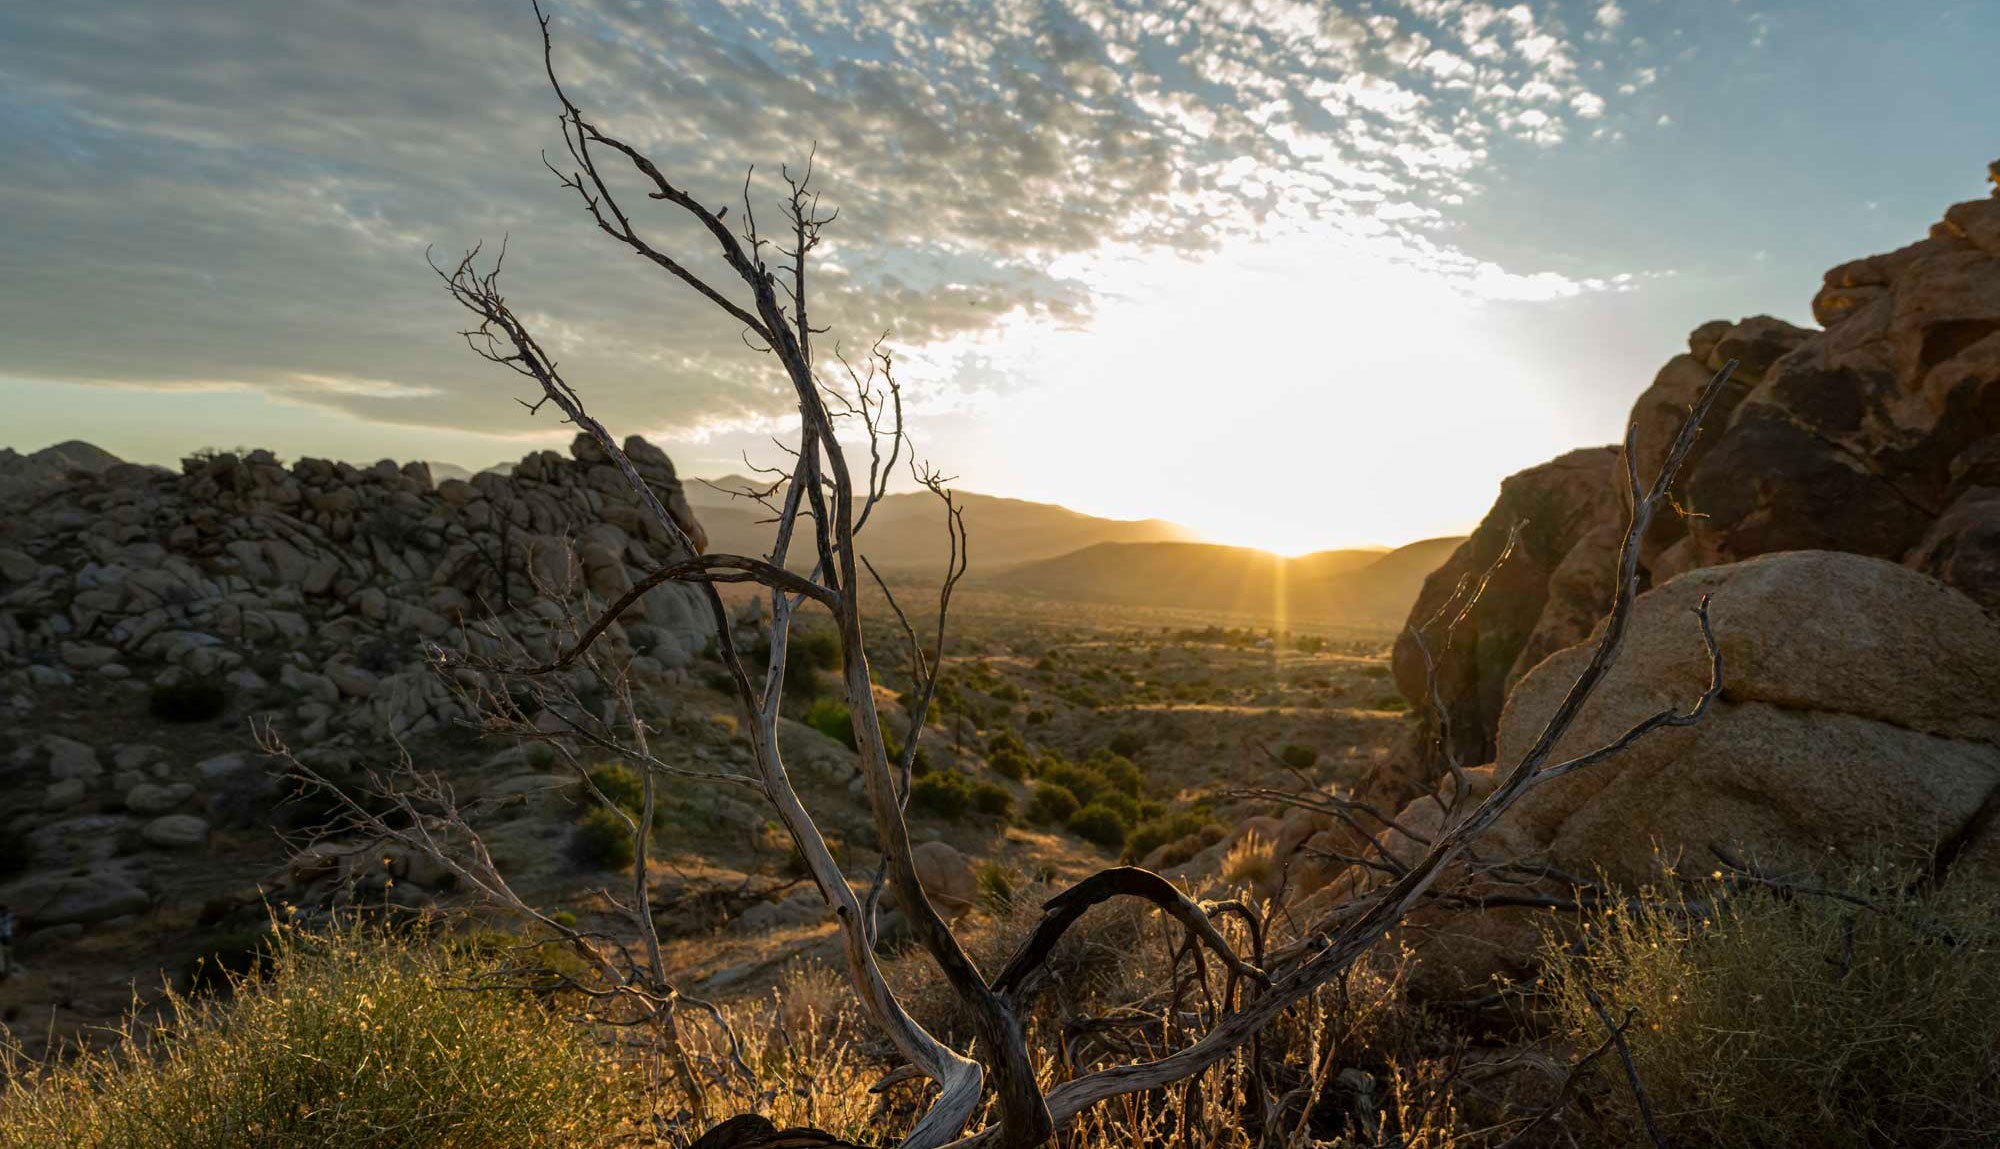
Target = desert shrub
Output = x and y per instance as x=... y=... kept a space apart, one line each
x=807 y=653
x=1395 y=703
x=1006 y=741
x=992 y=799
x=1006 y=692
x=1251 y=861
x=1010 y=764
x=998 y=887
x=1052 y=803
x=1772 y=1020
x=1298 y=757
x=818 y=649
x=1162 y=830
x=353 y=1041
x=1037 y=717
x=833 y=720
x=226 y=959
x=1099 y=824
x=621 y=784
x=1081 y=781
x=935 y=712
x=1119 y=803
x=188 y=700
x=1127 y=743
x=941 y=793
x=601 y=840
x=1119 y=772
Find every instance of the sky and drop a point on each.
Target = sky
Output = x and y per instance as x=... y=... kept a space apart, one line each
x=1294 y=275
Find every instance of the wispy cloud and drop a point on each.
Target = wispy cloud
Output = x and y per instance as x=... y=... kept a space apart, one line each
x=207 y=193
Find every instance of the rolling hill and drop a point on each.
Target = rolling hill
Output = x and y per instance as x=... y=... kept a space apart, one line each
x=906 y=533
x=1351 y=585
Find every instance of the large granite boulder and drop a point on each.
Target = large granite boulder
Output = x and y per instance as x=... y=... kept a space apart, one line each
x=1878 y=436
x=1859 y=721
x=1860 y=713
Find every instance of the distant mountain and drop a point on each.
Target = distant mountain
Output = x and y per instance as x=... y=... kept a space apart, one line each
x=906 y=532
x=1344 y=584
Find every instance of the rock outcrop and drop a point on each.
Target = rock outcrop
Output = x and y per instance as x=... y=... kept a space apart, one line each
x=311 y=593
x=1860 y=712
x=1859 y=724
x=1879 y=436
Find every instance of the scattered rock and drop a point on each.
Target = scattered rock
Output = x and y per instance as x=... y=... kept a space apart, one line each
x=69 y=758
x=156 y=798
x=176 y=832
x=53 y=899
x=946 y=876
x=221 y=766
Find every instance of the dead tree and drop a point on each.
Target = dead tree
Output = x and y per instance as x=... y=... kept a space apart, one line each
x=820 y=506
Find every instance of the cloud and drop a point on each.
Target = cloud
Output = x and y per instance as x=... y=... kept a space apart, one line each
x=211 y=190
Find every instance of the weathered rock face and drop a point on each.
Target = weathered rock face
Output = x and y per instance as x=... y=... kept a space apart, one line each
x=312 y=592
x=1562 y=502
x=1859 y=720
x=1878 y=436
x=1860 y=711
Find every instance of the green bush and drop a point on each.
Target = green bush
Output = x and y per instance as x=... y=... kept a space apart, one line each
x=997 y=887
x=602 y=841
x=1298 y=757
x=1010 y=764
x=1120 y=803
x=1037 y=717
x=1127 y=743
x=1774 y=1020
x=1119 y=772
x=992 y=799
x=621 y=784
x=189 y=700
x=833 y=720
x=1081 y=781
x=1006 y=741
x=942 y=793
x=1052 y=803
x=809 y=653
x=1099 y=824
x=818 y=649
x=1165 y=829
x=353 y=1041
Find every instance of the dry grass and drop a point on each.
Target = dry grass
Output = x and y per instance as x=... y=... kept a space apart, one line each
x=354 y=1039
x=1252 y=861
x=1796 y=1021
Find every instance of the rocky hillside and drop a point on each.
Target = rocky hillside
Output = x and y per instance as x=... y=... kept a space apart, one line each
x=139 y=606
x=313 y=589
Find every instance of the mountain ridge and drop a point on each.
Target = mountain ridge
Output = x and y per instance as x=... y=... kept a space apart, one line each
x=1354 y=584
